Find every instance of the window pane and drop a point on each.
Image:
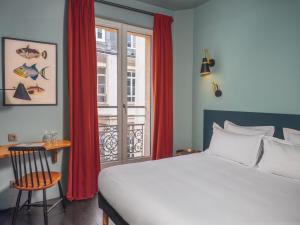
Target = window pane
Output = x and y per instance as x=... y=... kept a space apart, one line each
x=101 y=98
x=102 y=79
x=101 y=70
x=128 y=41
x=128 y=91
x=138 y=67
x=102 y=90
x=107 y=70
x=133 y=42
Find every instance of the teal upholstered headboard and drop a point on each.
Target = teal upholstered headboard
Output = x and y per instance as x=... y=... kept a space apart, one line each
x=248 y=119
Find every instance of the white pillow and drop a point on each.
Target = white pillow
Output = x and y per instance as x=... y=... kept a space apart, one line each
x=280 y=158
x=258 y=130
x=215 y=125
x=236 y=147
x=292 y=136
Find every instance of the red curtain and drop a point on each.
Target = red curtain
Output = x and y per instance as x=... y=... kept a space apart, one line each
x=84 y=163
x=162 y=87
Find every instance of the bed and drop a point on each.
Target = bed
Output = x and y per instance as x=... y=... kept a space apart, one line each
x=202 y=188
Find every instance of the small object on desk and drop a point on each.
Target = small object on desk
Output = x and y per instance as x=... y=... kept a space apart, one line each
x=54 y=136
x=50 y=137
x=46 y=137
x=187 y=151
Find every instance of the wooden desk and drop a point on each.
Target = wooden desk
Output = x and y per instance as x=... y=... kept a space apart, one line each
x=53 y=148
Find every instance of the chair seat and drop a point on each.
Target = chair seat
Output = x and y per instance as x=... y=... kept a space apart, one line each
x=33 y=183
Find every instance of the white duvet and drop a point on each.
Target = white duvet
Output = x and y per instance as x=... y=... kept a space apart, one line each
x=200 y=189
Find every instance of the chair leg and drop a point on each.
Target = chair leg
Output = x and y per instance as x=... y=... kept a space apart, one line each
x=45 y=208
x=105 y=219
x=17 y=208
x=29 y=200
x=62 y=195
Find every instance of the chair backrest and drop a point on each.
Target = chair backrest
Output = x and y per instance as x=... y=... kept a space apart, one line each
x=28 y=163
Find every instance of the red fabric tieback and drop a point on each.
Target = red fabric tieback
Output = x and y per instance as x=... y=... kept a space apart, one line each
x=162 y=87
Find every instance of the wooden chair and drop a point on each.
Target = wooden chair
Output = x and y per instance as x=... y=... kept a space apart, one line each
x=32 y=173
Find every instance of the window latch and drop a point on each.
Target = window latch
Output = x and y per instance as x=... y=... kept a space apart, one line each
x=124 y=107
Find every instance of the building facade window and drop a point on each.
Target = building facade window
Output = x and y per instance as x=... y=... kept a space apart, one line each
x=131 y=86
x=100 y=34
x=101 y=85
x=131 y=41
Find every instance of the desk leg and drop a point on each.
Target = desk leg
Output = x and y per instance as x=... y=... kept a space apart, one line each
x=54 y=154
x=105 y=219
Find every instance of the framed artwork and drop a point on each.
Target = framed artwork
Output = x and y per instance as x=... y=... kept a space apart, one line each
x=29 y=72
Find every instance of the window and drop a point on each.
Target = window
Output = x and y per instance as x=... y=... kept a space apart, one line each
x=100 y=34
x=124 y=90
x=101 y=85
x=101 y=70
x=131 y=86
x=131 y=41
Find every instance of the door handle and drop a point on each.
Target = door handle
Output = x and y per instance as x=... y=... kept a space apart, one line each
x=125 y=107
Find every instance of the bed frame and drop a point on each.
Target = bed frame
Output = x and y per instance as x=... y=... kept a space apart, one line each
x=109 y=212
x=210 y=116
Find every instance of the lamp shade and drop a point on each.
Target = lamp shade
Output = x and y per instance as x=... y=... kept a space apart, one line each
x=21 y=92
x=205 y=67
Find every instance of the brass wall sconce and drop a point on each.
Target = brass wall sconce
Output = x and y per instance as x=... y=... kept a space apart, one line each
x=207 y=62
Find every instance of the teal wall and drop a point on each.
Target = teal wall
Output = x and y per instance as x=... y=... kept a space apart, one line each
x=183 y=78
x=257 y=51
x=45 y=20
x=40 y=20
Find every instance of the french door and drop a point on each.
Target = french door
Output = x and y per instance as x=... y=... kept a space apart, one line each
x=124 y=92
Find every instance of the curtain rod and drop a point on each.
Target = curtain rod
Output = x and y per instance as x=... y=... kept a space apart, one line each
x=125 y=7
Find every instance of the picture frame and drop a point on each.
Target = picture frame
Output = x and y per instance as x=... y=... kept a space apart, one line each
x=29 y=72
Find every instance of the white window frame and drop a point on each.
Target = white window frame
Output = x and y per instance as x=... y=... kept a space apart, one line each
x=123 y=30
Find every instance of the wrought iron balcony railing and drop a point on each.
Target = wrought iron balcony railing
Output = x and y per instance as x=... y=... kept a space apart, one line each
x=109 y=140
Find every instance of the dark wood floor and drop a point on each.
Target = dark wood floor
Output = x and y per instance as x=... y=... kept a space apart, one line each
x=77 y=213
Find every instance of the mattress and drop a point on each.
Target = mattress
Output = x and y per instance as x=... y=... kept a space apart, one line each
x=200 y=189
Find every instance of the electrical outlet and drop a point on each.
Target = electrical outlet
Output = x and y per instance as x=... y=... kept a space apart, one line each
x=12 y=137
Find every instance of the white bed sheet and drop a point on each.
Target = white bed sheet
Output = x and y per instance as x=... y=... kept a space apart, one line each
x=200 y=189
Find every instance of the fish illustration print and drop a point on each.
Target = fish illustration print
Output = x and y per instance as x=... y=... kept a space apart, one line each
x=35 y=90
x=30 y=71
x=30 y=53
